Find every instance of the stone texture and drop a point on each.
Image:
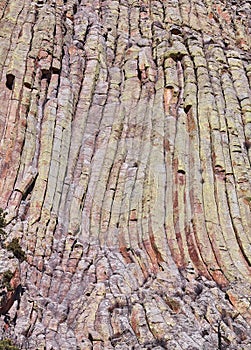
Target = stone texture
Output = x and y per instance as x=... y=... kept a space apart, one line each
x=125 y=172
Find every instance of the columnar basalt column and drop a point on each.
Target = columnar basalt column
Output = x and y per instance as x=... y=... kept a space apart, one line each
x=125 y=174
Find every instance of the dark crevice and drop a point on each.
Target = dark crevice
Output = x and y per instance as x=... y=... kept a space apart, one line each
x=29 y=189
x=27 y=84
x=105 y=35
x=219 y=337
x=198 y=289
x=10 y=79
x=176 y=30
x=74 y=9
x=187 y=109
x=204 y=333
x=56 y=70
x=88 y=28
x=177 y=56
x=247 y=144
x=139 y=75
x=46 y=75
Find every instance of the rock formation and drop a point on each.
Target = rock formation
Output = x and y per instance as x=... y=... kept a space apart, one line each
x=125 y=174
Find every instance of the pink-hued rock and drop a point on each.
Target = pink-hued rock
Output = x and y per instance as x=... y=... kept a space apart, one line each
x=125 y=150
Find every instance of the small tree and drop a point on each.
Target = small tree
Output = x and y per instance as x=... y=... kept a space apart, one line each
x=16 y=249
x=2 y=223
x=6 y=278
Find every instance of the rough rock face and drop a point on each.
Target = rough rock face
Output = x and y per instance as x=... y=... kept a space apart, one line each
x=125 y=173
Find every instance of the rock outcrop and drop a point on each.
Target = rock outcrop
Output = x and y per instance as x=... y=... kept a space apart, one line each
x=125 y=173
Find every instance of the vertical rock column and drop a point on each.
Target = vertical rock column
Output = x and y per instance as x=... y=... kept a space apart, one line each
x=125 y=172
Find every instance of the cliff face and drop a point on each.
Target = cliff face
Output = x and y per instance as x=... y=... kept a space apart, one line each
x=125 y=173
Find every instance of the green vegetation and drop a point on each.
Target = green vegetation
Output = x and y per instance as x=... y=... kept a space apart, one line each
x=2 y=223
x=16 y=249
x=6 y=344
x=6 y=278
x=14 y=245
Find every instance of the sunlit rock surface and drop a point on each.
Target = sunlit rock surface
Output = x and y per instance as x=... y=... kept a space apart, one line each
x=125 y=173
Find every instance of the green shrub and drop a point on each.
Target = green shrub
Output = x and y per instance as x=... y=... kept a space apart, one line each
x=6 y=344
x=2 y=223
x=16 y=249
x=6 y=278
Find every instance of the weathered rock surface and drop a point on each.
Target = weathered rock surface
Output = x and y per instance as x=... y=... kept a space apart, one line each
x=125 y=173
